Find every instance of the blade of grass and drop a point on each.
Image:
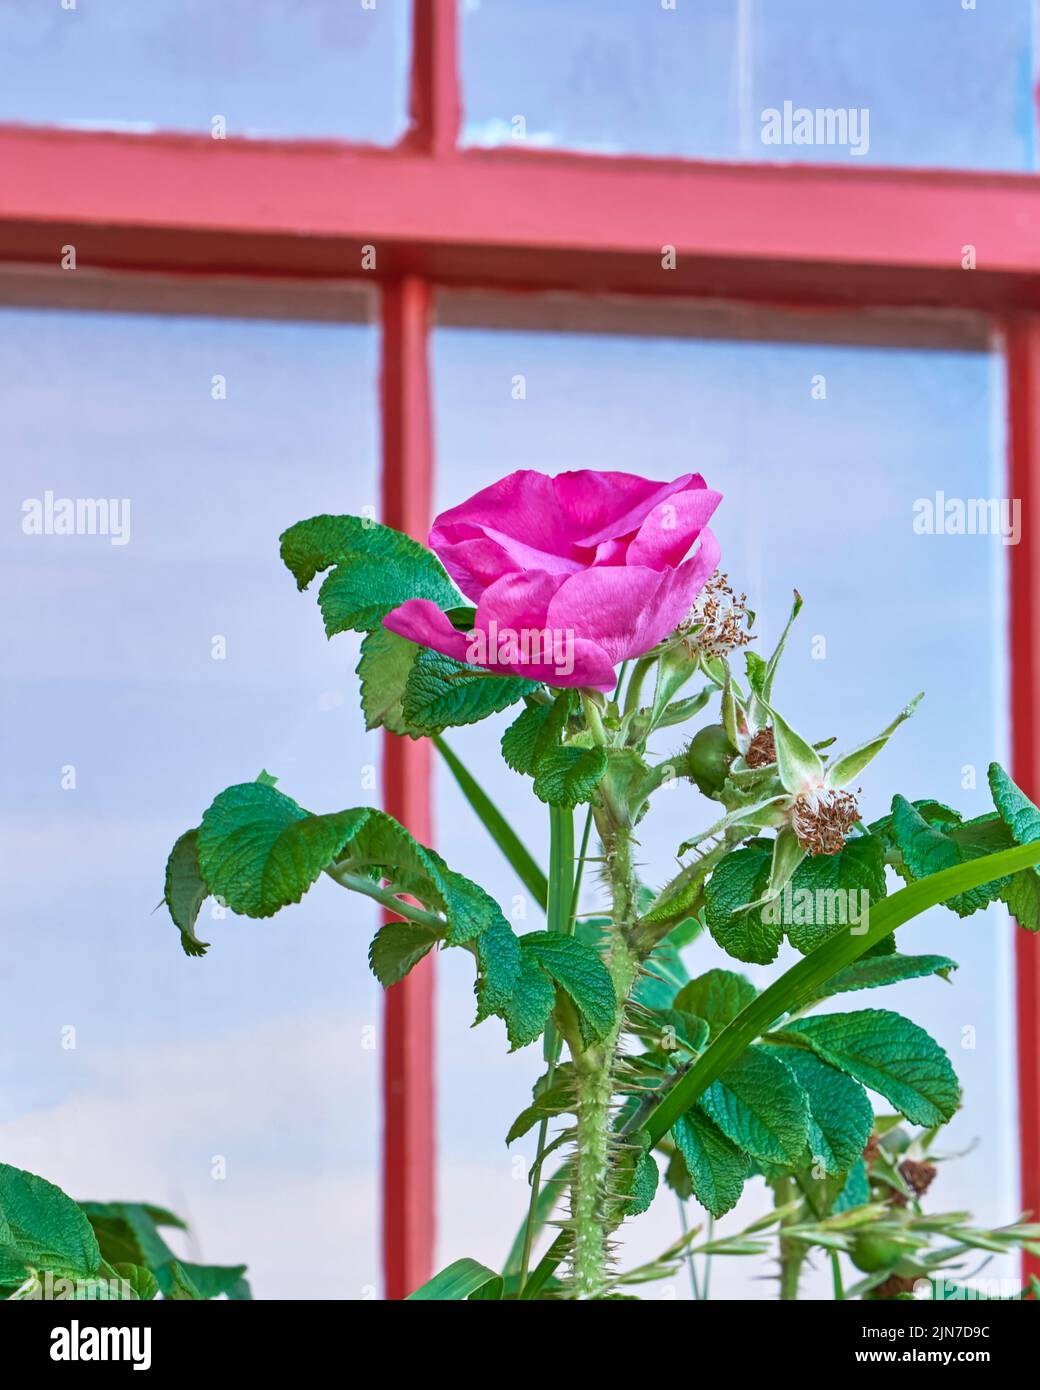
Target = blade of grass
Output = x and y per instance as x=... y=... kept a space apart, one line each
x=503 y=834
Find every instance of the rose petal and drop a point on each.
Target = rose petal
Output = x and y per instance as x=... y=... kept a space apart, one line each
x=582 y=663
x=422 y=621
x=616 y=504
x=627 y=609
x=523 y=505
x=672 y=527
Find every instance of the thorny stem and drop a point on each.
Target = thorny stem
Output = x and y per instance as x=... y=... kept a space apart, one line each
x=560 y=917
x=594 y=1068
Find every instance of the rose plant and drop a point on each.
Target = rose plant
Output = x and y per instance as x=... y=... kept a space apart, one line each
x=591 y=619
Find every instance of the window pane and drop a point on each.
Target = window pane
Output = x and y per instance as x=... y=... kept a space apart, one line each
x=818 y=494
x=153 y=673
x=908 y=82
x=280 y=67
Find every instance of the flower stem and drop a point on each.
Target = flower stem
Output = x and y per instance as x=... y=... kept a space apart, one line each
x=792 y=1253
x=560 y=914
x=591 y=1218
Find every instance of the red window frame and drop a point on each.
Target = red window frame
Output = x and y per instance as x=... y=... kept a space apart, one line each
x=808 y=238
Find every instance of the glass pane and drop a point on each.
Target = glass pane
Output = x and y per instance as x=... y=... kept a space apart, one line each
x=905 y=82
x=277 y=68
x=152 y=664
x=819 y=494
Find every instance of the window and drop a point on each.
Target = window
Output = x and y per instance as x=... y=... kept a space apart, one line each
x=645 y=233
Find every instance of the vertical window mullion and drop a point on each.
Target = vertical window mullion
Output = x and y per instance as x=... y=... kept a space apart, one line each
x=409 y=1116
x=1023 y=370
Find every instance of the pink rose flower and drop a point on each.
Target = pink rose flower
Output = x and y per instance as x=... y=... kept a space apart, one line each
x=570 y=575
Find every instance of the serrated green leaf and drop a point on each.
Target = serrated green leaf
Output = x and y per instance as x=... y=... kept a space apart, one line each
x=827 y=892
x=259 y=850
x=1021 y=892
x=741 y=878
x=530 y=1003
x=1015 y=808
x=396 y=948
x=928 y=848
x=185 y=891
x=717 y=996
x=498 y=978
x=538 y=728
x=1022 y=896
x=840 y=1114
x=889 y=1055
x=376 y=569
x=385 y=665
x=43 y=1228
x=872 y=972
x=759 y=1106
x=642 y=1188
x=569 y=776
x=580 y=972
x=441 y=693
x=716 y=1169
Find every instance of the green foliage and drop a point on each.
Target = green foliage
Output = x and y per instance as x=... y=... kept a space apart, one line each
x=716 y=996
x=889 y=1054
x=825 y=894
x=870 y=972
x=373 y=569
x=569 y=776
x=759 y=1106
x=840 y=1114
x=397 y=947
x=834 y=888
x=383 y=670
x=927 y=848
x=41 y=1229
x=94 y=1249
x=715 y=1167
x=442 y=693
x=537 y=729
x=741 y=931
x=564 y=775
x=461 y=1280
x=131 y=1231
x=925 y=837
x=579 y=971
x=185 y=891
